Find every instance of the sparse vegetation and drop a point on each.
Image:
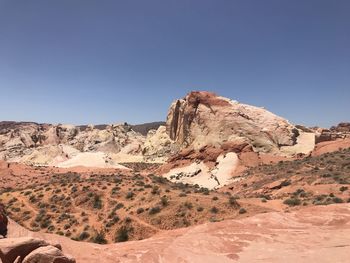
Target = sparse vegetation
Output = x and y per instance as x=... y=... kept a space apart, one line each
x=73 y=205
x=292 y=201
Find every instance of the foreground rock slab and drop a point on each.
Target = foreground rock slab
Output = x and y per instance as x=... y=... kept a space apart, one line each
x=314 y=234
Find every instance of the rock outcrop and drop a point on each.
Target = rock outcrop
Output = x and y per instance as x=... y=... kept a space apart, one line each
x=158 y=146
x=46 y=144
x=203 y=118
x=343 y=127
x=31 y=250
x=218 y=138
x=341 y=131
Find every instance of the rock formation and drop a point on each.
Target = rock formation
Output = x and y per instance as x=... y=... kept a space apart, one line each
x=31 y=250
x=217 y=135
x=203 y=118
x=341 y=131
x=45 y=144
x=158 y=146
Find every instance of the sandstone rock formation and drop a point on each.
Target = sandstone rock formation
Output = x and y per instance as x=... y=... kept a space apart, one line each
x=341 y=131
x=158 y=146
x=343 y=127
x=45 y=144
x=203 y=118
x=216 y=135
x=31 y=250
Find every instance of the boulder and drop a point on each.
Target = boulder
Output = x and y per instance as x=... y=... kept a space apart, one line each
x=48 y=254
x=11 y=248
x=18 y=249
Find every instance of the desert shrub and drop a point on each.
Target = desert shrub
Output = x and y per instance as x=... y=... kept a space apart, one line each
x=140 y=210
x=242 y=211
x=97 y=202
x=292 y=201
x=188 y=205
x=99 y=238
x=285 y=183
x=164 y=201
x=83 y=235
x=154 y=210
x=122 y=234
x=343 y=188
x=214 y=210
x=337 y=200
x=205 y=191
x=233 y=201
x=129 y=195
x=200 y=209
x=215 y=198
x=155 y=190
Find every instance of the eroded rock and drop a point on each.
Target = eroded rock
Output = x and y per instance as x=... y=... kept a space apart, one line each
x=203 y=118
x=30 y=250
x=48 y=254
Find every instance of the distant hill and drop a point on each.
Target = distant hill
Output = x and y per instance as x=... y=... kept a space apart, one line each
x=146 y=127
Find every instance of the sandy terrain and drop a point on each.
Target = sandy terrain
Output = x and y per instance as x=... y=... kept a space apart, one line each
x=87 y=159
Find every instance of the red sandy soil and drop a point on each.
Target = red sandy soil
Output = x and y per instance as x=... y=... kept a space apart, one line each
x=312 y=234
x=22 y=175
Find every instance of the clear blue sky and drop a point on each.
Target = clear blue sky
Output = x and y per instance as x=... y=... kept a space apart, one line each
x=83 y=61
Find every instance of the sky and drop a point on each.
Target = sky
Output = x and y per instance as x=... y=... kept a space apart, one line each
x=109 y=61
